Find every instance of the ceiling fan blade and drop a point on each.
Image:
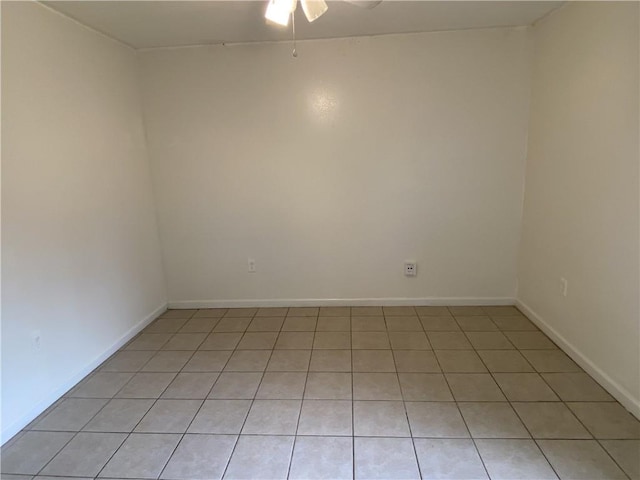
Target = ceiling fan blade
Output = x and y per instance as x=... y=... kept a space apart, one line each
x=365 y=3
x=279 y=11
x=313 y=8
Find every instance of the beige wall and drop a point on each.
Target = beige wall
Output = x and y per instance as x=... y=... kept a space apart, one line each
x=581 y=203
x=81 y=263
x=332 y=169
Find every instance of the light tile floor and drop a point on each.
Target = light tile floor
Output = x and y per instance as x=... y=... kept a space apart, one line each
x=364 y=392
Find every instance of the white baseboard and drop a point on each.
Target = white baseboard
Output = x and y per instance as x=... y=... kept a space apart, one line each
x=620 y=393
x=342 y=302
x=9 y=431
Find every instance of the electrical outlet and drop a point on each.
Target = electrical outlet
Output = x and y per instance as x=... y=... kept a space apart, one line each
x=410 y=269
x=251 y=263
x=564 y=285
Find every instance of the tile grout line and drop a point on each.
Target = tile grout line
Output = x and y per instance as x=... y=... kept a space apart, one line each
x=235 y=445
x=204 y=400
x=128 y=435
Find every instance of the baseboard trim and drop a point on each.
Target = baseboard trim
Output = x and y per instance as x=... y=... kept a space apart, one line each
x=342 y=302
x=48 y=400
x=620 y=393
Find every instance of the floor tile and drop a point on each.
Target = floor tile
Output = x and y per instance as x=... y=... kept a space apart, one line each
x=241 y=312
x=119 y=415
x=295 y=341
x=435 y=458
x=551 y=361
x=524 y=387
x=376 y=386
x=368 y=324
x=466 y=311
x=189 y=385
x=166 y=325
x=335 y=311
x=439 y=324
x=232 y=324
x=200 y=457
x=436 y=419
x=514 y=460
x=185 y=341
x=460 y=361
x=550 y=420
x=501 y=310
x=627 y=454
x=330 y=361
x=260 y=457
x=325 y=417
x=332 y=340
x=433 y=311
x=167 y=361
x=385 y=458
x=272 y=312
x=303 y=312
x=489 y=341
x=169 y=416
x=474 y=387
x=71 y=414
x=530 y=341
x=282 y=385
x=399 y=311
x=329 y=458
x=505 y=361
x=370 y=340
x=207 y=361
x=606 y=419
x=258 y=341
x=179 y=313
x=492 y=420
x=333 y=324
x=273 y=417
x=580 y=459
x=476 y=324
x=514 y=323
x=426 y=387
x=85 y=455
x=366 y=311
x=149 y=341
x=380 y=419
x=101 y=385
x=449 y=341
x=127 y=361
x=221 y=341
x=236 y=385
x=403 y=324
x=199 y=325
x=220 y=417
x=210 y=313
x=142 y=455
x=299 y=324
x=248 y=361
x=577 y=387
x=289 y=361
x=409 y=341
x=328 y=386
x=32 y=451
x=373 y=361
x=266 y=324
x=416 y=361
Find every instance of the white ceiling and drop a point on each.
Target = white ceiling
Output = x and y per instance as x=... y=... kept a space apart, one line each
x=144 y=24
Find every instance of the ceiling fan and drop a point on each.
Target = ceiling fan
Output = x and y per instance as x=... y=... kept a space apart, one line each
x=279 y=11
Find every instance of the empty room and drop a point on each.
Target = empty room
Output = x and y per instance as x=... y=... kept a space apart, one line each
x=307 y=239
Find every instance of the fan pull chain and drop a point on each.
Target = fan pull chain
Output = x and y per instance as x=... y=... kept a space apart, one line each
x=293 y=25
